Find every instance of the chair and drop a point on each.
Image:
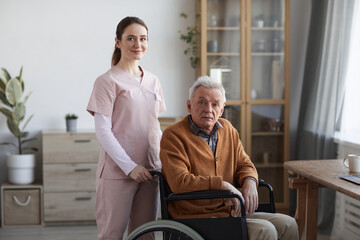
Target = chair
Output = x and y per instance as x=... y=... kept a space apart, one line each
x=200 y=228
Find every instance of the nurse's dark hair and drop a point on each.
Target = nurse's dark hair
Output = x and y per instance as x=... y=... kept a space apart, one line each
x=119 y=32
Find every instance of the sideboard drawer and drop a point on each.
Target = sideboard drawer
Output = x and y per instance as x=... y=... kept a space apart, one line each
x=69 y=177
x=69 y=206
x=70 y=147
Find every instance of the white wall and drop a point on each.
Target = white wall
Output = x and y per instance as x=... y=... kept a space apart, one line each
x=64 y=45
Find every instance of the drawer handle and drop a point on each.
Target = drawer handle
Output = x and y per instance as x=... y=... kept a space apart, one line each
x=20 y=203
x=82 y=141
x=83 y=170
x=83 y=198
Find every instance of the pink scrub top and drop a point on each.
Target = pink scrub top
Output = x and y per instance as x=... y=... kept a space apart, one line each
x=133 y=108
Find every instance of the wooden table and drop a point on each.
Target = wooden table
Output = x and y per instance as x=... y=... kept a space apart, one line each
x=311 y=175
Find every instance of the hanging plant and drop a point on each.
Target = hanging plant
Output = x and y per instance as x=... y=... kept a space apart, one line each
x=190 y=38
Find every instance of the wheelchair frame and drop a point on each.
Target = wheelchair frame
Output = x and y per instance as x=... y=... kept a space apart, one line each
x=199 y=227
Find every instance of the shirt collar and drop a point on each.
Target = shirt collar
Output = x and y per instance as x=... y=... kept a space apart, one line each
x=197 y=130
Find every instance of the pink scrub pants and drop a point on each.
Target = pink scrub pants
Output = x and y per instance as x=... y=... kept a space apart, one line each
x=122 y=203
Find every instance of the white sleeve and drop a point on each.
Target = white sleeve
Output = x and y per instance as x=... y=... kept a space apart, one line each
x=111 y=145
x=160 y=134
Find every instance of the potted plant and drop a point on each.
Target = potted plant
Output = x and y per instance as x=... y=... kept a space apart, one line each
x=21 y=166
x=190 y=38
x=71 y=120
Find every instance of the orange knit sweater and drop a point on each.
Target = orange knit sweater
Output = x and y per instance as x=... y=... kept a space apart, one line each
x=188 y=164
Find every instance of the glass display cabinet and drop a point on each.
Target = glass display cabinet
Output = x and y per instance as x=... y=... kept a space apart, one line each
x=244 y=44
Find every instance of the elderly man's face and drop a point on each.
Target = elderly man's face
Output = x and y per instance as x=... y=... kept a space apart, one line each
x=206 y=107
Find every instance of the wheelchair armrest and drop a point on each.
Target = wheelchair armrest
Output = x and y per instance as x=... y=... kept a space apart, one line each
x=267 y=207
x=207 y=194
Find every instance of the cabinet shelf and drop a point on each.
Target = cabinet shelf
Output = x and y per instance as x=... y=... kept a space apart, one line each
x=267 y=102
x=223 y=54
x=267 y=28
x=223 y=28
x=269 y=165
x=264 y=134
x=267 y=54
x=233 y=102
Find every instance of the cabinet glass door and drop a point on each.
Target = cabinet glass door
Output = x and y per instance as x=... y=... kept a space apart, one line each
x=223 y=44
x=267 y=49
x=267 y=145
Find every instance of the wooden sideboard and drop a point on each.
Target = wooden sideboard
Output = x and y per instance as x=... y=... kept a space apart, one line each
x=69 y=170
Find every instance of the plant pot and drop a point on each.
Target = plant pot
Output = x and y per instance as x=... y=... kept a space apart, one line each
x=71 y=125
x=21 y=168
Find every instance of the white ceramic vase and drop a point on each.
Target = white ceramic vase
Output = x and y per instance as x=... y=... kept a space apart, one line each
x=21 y=168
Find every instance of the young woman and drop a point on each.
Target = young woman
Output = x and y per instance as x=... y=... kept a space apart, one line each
x=125 y=103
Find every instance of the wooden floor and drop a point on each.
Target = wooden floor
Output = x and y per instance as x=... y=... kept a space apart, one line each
x=49 y=233
x=60 y=233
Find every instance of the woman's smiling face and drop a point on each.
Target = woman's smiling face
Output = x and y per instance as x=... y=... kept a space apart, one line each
x=133 y=43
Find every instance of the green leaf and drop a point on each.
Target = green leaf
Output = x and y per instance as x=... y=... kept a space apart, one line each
x=19 y=78
x=4 y=100
x=27 y=96
x=27 y=122
x=6 y=112
x=14 y=129
x=24 y=134
x=20 y=74
x=19 y=112
x=8 y=143
x=184 y=15
x=2 y=85
x=6 y=74
x=13 y=91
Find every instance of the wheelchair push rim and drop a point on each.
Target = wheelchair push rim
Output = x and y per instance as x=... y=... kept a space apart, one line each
x=171 y=229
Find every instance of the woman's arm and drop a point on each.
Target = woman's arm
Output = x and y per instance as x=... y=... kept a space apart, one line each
x=111 y=145
x=116 y=151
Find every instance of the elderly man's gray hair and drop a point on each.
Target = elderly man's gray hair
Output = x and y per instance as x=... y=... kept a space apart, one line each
x=208 y=82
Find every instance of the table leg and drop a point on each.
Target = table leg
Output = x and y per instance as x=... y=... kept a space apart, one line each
x=300 y=185
x=311 y=210
x=307 y=206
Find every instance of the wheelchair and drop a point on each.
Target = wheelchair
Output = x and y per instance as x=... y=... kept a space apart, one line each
x=200 y=228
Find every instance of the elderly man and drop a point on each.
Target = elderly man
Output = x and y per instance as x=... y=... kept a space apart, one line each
x=203 y=152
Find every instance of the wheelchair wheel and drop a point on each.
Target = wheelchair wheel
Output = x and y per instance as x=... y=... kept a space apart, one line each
x=164 y=230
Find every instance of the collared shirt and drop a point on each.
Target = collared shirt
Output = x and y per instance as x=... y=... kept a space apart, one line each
x=211 y=138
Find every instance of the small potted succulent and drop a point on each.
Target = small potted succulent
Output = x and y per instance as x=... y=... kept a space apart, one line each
x=21 y=165
x=71 y=121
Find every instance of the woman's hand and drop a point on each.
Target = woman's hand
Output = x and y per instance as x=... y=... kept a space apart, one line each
x=140 y=174
x=235 y=202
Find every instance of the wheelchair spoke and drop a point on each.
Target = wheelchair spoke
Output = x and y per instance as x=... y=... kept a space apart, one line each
x=164 y=230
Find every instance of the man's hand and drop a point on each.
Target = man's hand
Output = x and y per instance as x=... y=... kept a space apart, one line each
x=250 y=193
x=235 y=201
x=140 y=174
